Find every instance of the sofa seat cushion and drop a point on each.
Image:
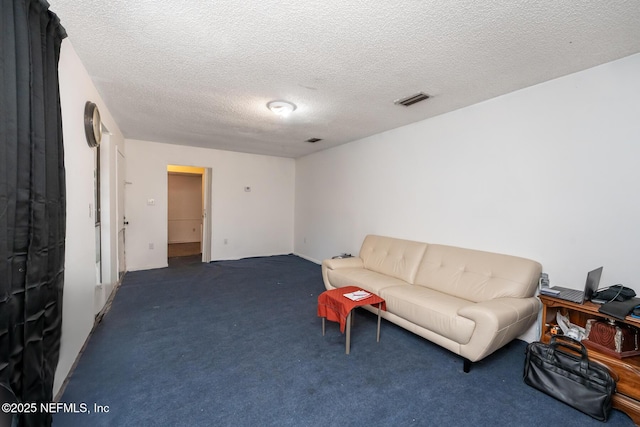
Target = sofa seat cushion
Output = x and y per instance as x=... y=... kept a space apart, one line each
x=432 y=310
x=362 y=278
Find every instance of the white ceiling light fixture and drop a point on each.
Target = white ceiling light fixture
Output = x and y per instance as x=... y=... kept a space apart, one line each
x=281 y=108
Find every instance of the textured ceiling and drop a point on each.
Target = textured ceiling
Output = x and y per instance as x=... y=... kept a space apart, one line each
x=201 y=72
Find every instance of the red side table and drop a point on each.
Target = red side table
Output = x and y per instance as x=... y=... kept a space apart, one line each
x=334 y=306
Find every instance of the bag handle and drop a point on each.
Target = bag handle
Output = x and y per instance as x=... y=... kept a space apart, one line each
x=557 y=341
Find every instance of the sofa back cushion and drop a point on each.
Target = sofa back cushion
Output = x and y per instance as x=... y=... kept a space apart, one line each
x=393 y=257
x=476 y=275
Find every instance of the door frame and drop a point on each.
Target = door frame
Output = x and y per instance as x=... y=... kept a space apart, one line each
x=206 y=215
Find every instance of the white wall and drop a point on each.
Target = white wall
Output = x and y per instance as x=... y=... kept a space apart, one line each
x=549 y=173
x=80 y=275
x=255 y=223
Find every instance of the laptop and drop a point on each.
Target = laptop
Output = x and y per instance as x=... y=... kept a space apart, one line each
x=575 y=295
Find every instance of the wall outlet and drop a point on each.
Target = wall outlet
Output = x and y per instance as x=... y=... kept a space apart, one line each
x=151 y=246
x=225 y=241
x=151 y=202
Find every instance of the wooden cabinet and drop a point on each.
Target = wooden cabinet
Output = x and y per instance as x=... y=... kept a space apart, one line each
x=627 y=397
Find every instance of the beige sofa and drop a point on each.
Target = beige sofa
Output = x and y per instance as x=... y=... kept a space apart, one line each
x=467 y=301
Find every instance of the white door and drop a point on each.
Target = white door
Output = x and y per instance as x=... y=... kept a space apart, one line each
x=122 y=221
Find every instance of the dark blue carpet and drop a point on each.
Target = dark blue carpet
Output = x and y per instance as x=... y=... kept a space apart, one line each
x=238 y=343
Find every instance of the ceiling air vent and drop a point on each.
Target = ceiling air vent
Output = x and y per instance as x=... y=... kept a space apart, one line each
x=312 y=140
x=410 y=100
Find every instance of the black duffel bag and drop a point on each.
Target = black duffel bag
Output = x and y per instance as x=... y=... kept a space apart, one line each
x=562 y=370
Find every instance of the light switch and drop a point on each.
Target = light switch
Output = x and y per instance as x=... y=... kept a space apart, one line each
x=151 y=202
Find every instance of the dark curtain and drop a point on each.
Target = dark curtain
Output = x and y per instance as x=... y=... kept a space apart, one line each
x=32 y=202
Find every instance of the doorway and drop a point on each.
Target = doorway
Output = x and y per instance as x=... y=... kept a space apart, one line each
x=97 y=212
x=186 y=212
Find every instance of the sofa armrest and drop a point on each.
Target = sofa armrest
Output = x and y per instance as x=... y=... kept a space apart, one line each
x=334 y=264
x=498 y=321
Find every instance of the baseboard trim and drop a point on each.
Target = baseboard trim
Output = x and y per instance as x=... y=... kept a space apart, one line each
x=308 y=258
